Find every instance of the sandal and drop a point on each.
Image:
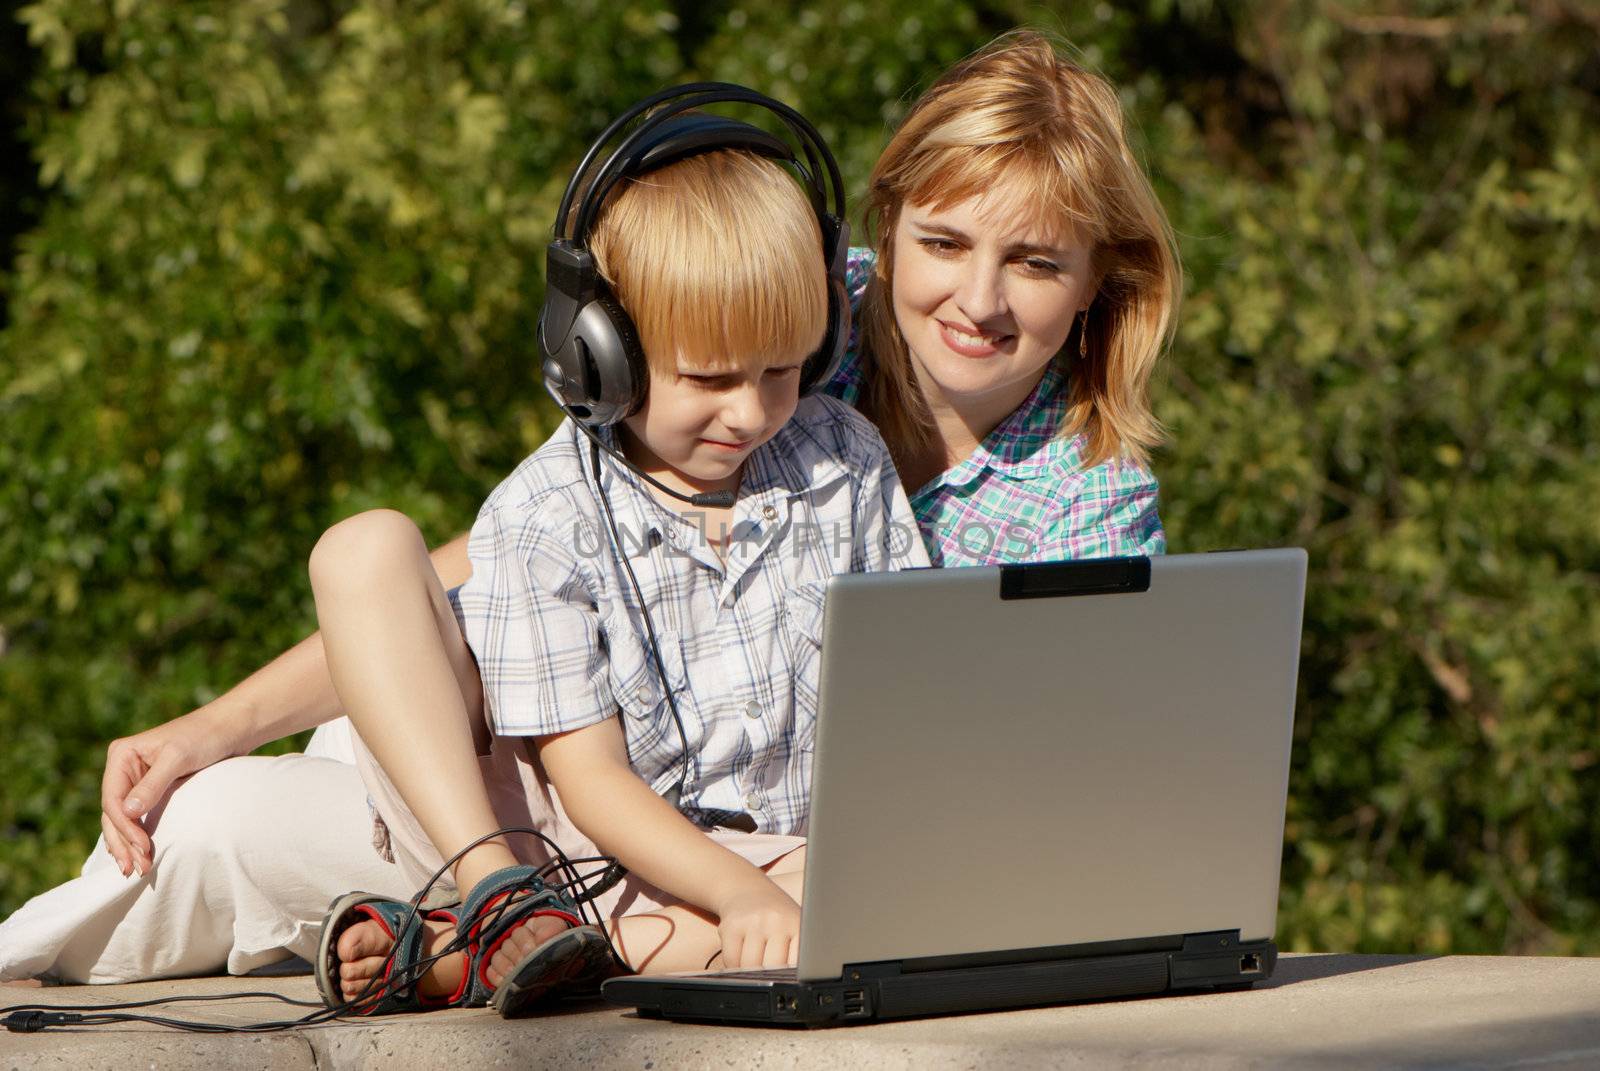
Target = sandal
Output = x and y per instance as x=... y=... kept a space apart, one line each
x=357 y=907
x=574 y=961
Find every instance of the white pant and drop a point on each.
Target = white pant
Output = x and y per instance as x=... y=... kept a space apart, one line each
x=248 y=855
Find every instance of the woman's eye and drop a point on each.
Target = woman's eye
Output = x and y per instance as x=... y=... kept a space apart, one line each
x=1039 y=266
x=939 y=246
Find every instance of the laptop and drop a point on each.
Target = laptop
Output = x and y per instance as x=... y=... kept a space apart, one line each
x=1035 y=784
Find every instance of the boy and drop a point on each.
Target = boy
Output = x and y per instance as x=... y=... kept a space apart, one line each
x=642 y=646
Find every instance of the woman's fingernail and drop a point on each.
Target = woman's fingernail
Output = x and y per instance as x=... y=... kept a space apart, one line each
x=132 y=806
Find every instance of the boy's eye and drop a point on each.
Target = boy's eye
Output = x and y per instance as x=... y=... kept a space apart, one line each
x=788 y=369
x=704 y=382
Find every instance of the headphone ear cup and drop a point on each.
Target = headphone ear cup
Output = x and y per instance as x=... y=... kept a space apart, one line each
x=824 y=364
x=562 y=367
x=602 y=366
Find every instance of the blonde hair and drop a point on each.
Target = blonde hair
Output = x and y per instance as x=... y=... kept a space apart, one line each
x=718 y=261
x=1019 y=111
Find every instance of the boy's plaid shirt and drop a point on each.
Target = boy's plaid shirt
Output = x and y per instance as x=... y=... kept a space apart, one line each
x=553 y=621
x=1023 y=495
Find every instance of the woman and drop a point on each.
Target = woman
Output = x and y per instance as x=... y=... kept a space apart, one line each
x=1026 y=283
x=1022 y=284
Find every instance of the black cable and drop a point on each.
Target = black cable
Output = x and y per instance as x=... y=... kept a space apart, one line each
x=190 y=997
x=581 y=889
x=31 y=1018
x=614 y=871
x=701 y=500
x=675 y=796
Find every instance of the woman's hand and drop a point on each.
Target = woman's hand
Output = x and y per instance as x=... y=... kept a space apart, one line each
x=290 y=694
x=140 y=770
x=759 y=926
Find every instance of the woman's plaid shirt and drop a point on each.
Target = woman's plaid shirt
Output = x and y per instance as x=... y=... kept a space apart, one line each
x=1024 y=494
x=554 y=623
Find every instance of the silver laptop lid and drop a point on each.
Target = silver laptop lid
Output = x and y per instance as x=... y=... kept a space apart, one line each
x=997 y=773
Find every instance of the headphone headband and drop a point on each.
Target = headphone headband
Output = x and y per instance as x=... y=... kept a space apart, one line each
x=683 y=98
x=593 y=363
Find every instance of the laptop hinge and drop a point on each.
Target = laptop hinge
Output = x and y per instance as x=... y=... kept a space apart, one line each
x=1220 y=959
x=1012 y=957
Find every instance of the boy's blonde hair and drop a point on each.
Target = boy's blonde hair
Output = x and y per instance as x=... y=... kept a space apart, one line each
x=718 y=261
x=1018 y=111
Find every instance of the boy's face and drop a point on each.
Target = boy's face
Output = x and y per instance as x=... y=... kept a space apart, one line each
x=700 y=422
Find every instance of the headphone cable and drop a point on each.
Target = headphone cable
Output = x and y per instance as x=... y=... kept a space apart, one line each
x=580 y=888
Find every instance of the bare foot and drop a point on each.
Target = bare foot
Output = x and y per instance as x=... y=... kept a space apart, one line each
x=24 y=983
x=363 y=947
x=523 y=939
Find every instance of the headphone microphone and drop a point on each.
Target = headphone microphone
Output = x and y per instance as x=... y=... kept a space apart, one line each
x=703 y=500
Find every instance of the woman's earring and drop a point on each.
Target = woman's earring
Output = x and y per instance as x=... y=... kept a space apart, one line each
x=1083 y=337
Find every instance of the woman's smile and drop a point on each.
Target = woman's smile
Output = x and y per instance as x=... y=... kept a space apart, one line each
x=971 y=342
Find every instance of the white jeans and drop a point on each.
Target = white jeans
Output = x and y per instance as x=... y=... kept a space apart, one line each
x=248 y=855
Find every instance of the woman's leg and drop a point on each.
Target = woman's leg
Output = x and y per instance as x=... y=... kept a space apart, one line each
x=409 y=684
x=248 y=853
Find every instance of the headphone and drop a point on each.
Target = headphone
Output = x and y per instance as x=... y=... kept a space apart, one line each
x=593 y=363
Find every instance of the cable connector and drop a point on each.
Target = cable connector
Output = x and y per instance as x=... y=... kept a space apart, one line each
x=31 y=1022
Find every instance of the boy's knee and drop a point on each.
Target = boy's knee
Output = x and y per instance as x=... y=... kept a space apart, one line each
x=364 y=547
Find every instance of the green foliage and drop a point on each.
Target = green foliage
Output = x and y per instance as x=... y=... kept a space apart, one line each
x=18 y=185
x=1387 y=357
x=287 y=272
x=288 y=260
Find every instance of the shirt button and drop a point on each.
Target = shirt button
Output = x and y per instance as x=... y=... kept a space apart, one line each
x=752 y=801
x=752 y=709
x=769 y=512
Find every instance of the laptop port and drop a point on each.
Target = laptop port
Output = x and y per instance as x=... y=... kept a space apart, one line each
x=1250 y=963
x=855 y=1002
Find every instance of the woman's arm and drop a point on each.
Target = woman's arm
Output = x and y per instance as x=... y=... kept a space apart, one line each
x=757 y=922
x=288 y=695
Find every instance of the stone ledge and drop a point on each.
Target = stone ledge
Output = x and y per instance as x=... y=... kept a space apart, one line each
x=1319 y=1010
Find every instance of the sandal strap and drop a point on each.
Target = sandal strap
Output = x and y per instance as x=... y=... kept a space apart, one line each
x=486 y=922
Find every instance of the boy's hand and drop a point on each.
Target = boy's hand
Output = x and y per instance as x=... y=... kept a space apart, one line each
x=759 y=925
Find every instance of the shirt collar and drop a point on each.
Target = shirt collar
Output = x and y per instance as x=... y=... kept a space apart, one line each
x=642 y=522
x=787 y=466
x=790 y=464
x=1019 y=446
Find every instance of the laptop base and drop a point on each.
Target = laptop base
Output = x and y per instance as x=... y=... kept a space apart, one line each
x=874 y=991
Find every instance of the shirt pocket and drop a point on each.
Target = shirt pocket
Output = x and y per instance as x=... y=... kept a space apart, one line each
x=802 y=627
x=637 y=687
